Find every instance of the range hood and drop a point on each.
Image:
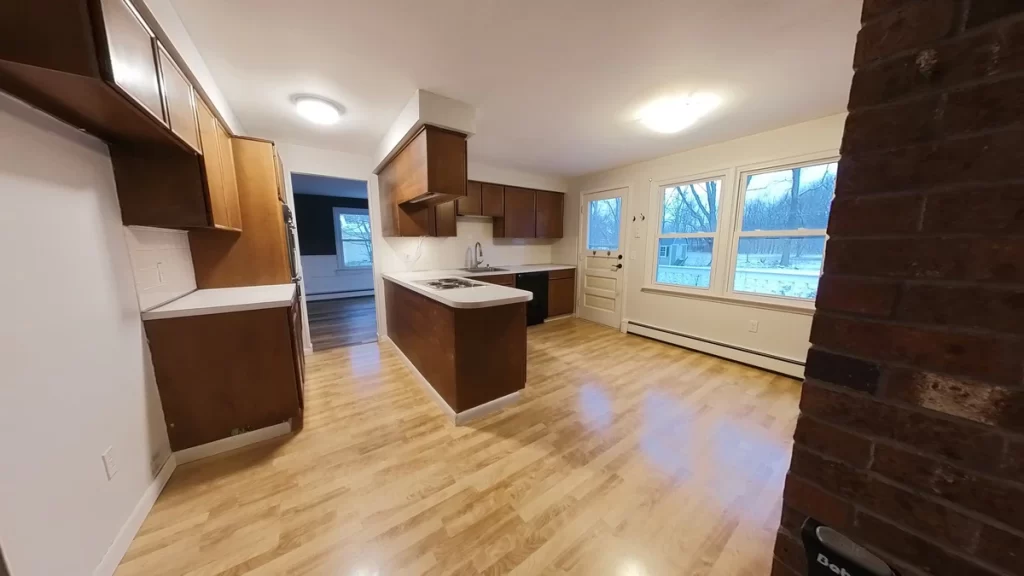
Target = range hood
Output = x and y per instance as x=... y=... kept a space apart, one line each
x=422 y=159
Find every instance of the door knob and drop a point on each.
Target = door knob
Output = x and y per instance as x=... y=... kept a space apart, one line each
x=617 y=266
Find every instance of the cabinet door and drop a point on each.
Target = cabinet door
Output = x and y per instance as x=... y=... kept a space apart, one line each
x=132 y=55
x=561 y=296
x=444 y=220
x=549 y=214
x=229 y=178
x=520 y=213
x=469 y=205
x=492 y=200
x=209 y=137
x=179 y=99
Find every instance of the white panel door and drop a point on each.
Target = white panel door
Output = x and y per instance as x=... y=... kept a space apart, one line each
x=601 y=260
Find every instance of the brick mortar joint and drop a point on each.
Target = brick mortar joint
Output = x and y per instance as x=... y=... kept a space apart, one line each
x=861 y=509
x=997 y=27
x=937 y=282
x=970 y=514
x=939 y=90
x=1010 y=337
x=936 y=189
x=913 y=408
x=970 y=559
x=943 y=135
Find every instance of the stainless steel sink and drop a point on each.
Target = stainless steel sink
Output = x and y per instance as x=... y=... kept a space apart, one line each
x=485 y=269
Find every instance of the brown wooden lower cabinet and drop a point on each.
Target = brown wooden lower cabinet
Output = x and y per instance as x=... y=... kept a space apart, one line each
x=561 y=292
x=469 y=356
x=220 y=375
x=499 y=279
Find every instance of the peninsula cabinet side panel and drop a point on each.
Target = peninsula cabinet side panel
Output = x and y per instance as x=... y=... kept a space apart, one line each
x=424 y=330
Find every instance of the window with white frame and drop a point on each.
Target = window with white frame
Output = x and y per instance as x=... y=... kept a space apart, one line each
x=687 y=230
x=353 y=238
x=757 y=236
x=779 y=246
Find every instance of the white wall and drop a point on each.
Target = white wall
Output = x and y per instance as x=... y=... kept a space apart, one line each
x=397 y=254
x=76 y=373
x=780 y=333
x=161 y=264
x=321 y=276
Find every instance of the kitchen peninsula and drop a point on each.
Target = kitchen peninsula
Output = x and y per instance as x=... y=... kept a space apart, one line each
x=464 y=335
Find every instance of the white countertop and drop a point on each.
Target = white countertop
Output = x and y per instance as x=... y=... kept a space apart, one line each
x=477 y=297
x=222 y=300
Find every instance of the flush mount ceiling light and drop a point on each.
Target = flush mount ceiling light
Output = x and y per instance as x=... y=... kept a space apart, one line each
x=676 y=113
x=318 y=110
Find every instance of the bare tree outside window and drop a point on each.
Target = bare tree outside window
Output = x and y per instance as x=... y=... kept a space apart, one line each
x=356 y=239
x=603 y=225
x=689 y=224
x=793 y=204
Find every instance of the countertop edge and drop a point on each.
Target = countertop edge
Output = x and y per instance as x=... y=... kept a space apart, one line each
x=159 y=313
x=410 y=285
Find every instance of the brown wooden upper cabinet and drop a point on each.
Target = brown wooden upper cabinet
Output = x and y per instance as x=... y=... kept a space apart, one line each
x=520 y=219
x=482 y=199
x=549 y=214
x=91 y=63
x=132 y=49
x=430 y=169
x=219 y=164
x=469 y=205
x=422 y=183
x=97 y=64
x=179 y=100
x=492 y=200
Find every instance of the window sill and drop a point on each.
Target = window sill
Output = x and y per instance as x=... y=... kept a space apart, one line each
x=805 y=309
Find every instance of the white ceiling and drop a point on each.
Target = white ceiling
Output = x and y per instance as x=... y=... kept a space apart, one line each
x=556 y=82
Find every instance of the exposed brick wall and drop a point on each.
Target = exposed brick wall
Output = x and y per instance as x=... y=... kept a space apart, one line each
x=911 y=434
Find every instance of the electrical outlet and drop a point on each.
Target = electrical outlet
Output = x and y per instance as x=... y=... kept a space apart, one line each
x=632 y=254
x=753 y=326
x=109 y=464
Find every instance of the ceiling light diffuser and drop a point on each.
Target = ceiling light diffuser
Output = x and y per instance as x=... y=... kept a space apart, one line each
x=676 y=113
x=318 y=110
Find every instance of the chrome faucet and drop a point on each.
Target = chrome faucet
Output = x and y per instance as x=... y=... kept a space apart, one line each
x=478 y=255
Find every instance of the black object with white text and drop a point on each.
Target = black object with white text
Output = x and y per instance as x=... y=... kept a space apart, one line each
x=829 y=553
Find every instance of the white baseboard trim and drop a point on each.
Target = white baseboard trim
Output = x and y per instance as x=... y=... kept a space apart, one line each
x=781 y=366
x=457 y=418
x=338 y=295
x=487 y=409
x=232 y=443
x=441 y=403
x=124 y=538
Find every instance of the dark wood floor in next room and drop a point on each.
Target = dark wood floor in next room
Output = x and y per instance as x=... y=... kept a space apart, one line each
x=342 y=322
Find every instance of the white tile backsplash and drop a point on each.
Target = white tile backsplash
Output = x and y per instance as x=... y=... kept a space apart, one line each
x=161 y=263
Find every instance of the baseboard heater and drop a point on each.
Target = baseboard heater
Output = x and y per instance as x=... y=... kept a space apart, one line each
x=789 y=366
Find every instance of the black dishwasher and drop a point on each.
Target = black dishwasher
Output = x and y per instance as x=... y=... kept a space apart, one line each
x=537 y=283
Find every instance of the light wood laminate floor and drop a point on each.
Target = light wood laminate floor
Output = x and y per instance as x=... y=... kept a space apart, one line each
x=625 y=457
x=341 y=322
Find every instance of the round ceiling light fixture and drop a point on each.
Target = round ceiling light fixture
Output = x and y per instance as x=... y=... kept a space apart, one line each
x=318 y=110
x=676 y=113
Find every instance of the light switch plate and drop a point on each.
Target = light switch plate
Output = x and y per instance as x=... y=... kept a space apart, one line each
x=109 y=464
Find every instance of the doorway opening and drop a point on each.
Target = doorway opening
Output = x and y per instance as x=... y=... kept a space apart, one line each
x=332 y=219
